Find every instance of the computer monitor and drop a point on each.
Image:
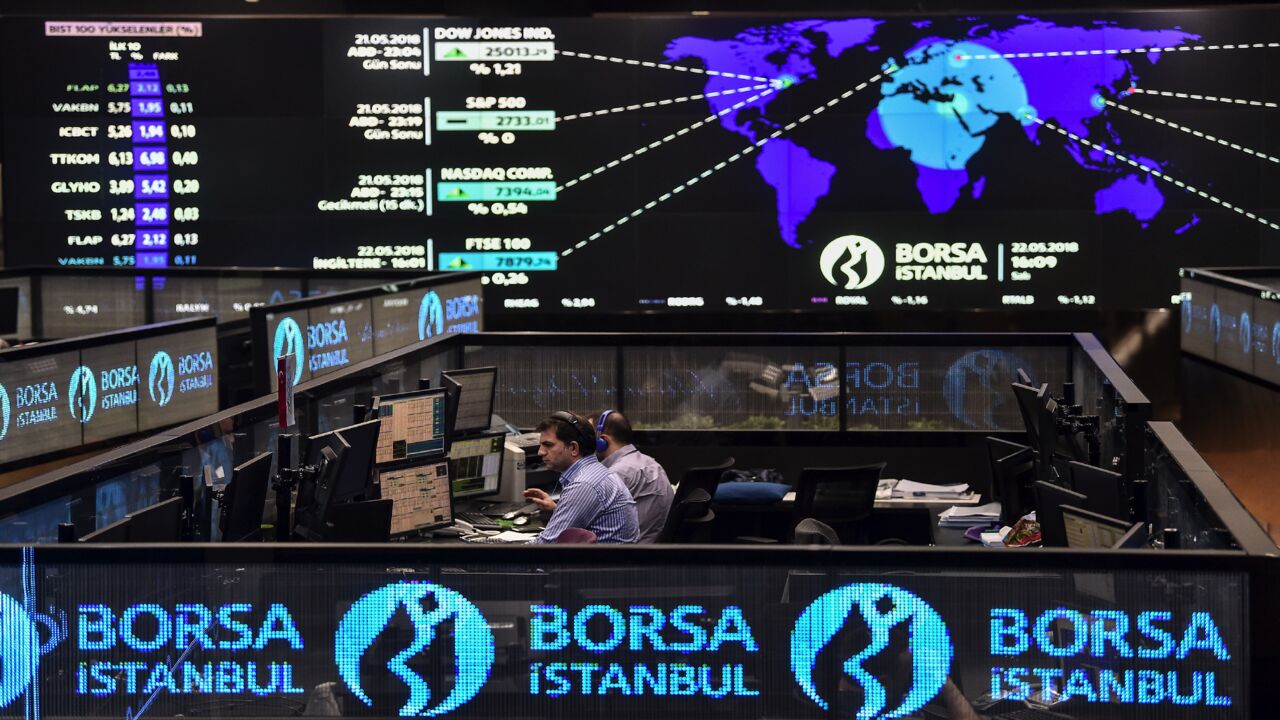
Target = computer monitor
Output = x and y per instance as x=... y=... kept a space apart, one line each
x=158 y=523
x=998 y=448
x=116 y=532
x=315 y=493
x=1104 y=488
x=475 y=402
x=475 y=465
x=1049 y=501
x=452 y=394
x=1136 y=537
x=412 y=425
x=1011 y=478
x=244 y=499
x=357 y=462
x=1030 y=400
x=1091 y=530
x=420 y=496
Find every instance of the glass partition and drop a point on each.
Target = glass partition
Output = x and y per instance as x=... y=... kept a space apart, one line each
x=740 y=388
x=911 y=387
x=535 y=381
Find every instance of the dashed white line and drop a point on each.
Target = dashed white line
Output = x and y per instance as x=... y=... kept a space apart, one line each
x=1196 y=133
x=1210 y=98
x=1153 y=171
x=1116 y=51
x=656 y=103
x=661 y=66
x=723 y=164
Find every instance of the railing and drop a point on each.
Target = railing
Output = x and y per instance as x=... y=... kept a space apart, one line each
x=63 y=302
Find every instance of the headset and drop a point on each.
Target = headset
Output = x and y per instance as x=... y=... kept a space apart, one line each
x=587 y=437
x=601 y=444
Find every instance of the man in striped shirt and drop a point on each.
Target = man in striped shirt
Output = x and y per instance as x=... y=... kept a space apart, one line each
x=591 y=497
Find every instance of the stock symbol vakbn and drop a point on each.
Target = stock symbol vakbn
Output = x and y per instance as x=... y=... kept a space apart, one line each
x=881 y=608
x=473 y=644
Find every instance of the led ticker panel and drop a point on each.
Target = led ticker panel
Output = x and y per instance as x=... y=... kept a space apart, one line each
x=729 y=164
x=405 y=318
x=324 y=339
x=58 y=401
x=665 y=637
x=109 y=388
x=41 y=407
x=181 y=376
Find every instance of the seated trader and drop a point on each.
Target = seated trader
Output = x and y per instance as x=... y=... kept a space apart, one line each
x=591 y=497
x=642 y=475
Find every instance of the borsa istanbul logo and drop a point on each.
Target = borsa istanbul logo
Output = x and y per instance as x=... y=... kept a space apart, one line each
x=861 y=651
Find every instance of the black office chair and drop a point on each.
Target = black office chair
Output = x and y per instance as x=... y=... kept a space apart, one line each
x=701 y=478
x=814 y=532
x=840 y=497
x=689 y=520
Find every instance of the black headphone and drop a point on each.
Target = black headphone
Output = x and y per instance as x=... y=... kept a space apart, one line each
x=601 y=444
x=588 y=438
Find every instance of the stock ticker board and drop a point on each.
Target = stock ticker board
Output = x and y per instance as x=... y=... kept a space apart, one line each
x=697 y=163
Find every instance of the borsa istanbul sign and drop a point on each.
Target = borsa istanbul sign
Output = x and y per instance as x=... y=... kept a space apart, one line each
x=1100 y=660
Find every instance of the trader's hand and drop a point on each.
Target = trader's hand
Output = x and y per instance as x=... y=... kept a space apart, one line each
x=540 y=498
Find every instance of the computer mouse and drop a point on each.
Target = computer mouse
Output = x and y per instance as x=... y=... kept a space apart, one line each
x=520 y=520
x=513 y=515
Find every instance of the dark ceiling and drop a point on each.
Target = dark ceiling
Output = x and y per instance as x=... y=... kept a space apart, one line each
x=568 y=7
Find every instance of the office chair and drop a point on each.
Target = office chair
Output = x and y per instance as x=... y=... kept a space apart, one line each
x=840 y=497
x=689 y=519
x=701 y=478
x=814 y=532
x=575 y=536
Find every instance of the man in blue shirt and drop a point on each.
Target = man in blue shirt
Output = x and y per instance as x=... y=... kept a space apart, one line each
x=591 y=497
x=642 y=475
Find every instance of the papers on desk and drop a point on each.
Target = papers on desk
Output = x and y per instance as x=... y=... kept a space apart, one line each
x=969 y=516
x=911 y=488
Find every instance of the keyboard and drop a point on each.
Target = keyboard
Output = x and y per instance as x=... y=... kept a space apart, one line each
x=500 y=509
x=480 y=521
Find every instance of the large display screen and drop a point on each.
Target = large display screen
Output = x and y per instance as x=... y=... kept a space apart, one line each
x=672 y=637
x=628 y=164
x=181 y=376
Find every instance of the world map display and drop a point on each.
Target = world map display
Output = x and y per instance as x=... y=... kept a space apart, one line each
x=938 y=99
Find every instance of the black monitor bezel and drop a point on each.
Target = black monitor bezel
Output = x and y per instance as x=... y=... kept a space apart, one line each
x=493 y=393
x=377 y=402
x=163 y=505
x=1122 y=525
x=234 y=491
x=410 y=464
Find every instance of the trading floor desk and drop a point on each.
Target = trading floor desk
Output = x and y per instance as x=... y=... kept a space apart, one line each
x=906 y=523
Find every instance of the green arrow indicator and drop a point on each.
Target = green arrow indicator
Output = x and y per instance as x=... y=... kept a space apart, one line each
x=457 y=193
x=455 y=54
x=459 y=264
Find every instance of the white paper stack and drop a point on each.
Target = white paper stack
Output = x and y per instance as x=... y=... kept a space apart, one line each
x=969 y=516
x=911 y=488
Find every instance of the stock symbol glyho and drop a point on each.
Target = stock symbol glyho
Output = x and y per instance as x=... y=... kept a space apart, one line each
x=879 y=609
x=19 y=646
x=82 y=394
x=473 y=644
x=290 y=341
x=430 y=316
x=160 y=378
x=859 y=259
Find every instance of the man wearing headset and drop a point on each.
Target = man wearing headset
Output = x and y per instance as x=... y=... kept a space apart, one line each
x=642 y=475
x=591 y=497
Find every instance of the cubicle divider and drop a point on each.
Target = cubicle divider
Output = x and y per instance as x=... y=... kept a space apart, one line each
x=64 y=302
x=678 y=389
x=633 y=632
x=1231 y=316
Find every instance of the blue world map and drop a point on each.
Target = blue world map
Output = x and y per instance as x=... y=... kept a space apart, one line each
x=937 y=101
